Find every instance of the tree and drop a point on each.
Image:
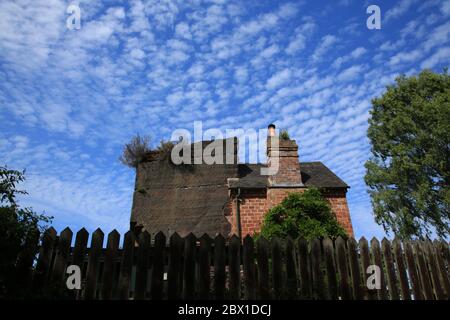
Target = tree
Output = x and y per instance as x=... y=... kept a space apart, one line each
x=18 y=227
x=307 y=214
x=408 y=174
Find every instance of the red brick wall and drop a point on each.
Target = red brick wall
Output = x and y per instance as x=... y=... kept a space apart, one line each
x=255 y=204
x=339 y=205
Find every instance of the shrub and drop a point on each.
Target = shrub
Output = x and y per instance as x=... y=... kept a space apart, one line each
x=135 y=151
x=284 y=134
x=306 y=214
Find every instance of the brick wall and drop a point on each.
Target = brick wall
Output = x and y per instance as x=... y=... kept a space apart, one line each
x=255 y=204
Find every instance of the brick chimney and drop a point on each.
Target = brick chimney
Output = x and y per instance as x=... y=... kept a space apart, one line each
x=288 y=174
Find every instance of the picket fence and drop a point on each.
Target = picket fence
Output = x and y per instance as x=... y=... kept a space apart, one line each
x=154 y=267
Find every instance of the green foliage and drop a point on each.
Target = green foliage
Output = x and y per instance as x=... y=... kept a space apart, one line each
x=18 y=228
x=408 y=174
x=306 y=214
x=284 y=134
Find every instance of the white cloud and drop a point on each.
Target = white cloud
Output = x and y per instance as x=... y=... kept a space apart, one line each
x=326 y=43
x=442 y=55
x=278 y=79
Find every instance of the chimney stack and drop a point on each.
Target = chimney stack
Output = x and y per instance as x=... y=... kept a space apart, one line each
x=285 y=154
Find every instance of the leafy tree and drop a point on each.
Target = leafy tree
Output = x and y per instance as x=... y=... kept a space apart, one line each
x=408 y=174
x=18 y=227
x=307 y=214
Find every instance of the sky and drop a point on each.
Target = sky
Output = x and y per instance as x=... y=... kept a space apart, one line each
x=70 y=99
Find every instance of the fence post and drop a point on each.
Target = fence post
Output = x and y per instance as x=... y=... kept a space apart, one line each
x=277 y=269
x=442 y=268
x=331 y=270
x=234 y=267
x=249 y=268
x=355 y=271
x=376 y=255
x=390 y=271
x=175 y=252
x=423 y=271
x=142 y=265
x=263 y=268
x=412 y=272
x=43 y=266
x=341 y=252
x=219 y=267
x=316 y=268
x=304 y=270
x=189 y=267
x=365 y=260
x=400 y=263
x=123 y=289
x=62 y=255
x=92 y=269
x=109 y=264
x=158 y=266
x=291 y=274
x=437 y=283
x=204 y=267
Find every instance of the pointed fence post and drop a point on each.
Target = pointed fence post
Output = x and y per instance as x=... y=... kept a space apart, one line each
x=277 y=269
x=158 y=266
x=263 y=268
x=344 y=286
x=175 y=267
x=291 y=274
x=234 y=267
x=423 y=271
x=219 y=267
x=366 y=262
x=204 y=267
x=189 y=267
x=412 y=271
x=249 y=268
x=61 y=259
x=43 y=266
x=390 y=270
x=142 y=265
x=304 y=269
x=401 y=269
x=316 y=270
x=123 y=289
x=376 y=255
x=109 y=265
x=331 y=269
x=93 y=264
x=355 y=270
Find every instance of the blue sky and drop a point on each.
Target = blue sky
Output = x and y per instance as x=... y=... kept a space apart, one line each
x=70 y=99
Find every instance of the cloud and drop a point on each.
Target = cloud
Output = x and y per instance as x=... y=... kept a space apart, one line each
x=399 y=9
x=326 y=43
x=442 y=55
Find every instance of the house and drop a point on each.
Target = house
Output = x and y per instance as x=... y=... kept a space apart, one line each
x=227 y=198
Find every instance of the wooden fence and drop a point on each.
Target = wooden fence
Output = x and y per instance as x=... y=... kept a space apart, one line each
x=146 y=267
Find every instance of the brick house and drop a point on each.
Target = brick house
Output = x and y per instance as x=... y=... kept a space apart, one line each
x=227 y=198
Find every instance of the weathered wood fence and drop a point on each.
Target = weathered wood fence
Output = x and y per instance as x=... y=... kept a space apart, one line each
x=146 y=267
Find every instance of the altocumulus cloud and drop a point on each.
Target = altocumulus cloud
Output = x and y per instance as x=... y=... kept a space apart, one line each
x=70 y=99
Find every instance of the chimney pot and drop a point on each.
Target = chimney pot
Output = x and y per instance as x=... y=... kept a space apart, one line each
x=271 y=130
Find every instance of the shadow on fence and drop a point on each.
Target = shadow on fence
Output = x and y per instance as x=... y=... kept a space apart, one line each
x=146 y=267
